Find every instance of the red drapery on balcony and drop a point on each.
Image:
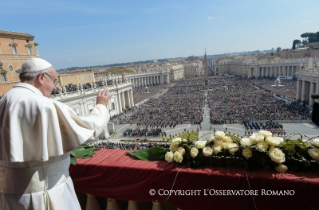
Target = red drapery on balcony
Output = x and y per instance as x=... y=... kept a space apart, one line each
x=113 y=174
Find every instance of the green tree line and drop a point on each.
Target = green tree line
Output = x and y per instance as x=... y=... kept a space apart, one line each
x=308 y=37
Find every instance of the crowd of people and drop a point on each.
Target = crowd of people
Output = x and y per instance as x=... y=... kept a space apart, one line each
x=128 y=146
x=181 y=103
x=238 y=99
x=288 y=88
x=73 y=88
x=141 y=93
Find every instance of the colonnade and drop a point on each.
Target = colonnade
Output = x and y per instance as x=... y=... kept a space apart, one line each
x=273 y=71
x=146 y=80
x=125 y=99
x=305 y=88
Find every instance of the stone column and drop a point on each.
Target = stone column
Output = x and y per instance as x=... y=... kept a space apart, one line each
x=119 y=102
x=131 y=97
x=271 y=71
x=298 y=97
x=127 y=98
x=82 y=109
x=123 y=100
x=303 y=90
x=311 y=91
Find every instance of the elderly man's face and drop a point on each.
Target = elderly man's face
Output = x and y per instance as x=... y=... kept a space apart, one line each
x=49 y=79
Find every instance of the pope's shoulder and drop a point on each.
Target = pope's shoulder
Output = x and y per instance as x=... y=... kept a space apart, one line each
x=19 y=96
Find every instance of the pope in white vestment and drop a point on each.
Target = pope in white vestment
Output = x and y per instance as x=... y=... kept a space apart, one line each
x=36 y=136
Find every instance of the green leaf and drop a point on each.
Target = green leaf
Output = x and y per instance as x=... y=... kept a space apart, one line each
x=156 y=153
x=141 y=154
x=83 y=151
x=73 y=161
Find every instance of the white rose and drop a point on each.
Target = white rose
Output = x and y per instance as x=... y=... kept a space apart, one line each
x=176 y=141
x=181 y=150
x=265 y=133
x=246 y=142
x=217 y=149
x=262 y=146
x=219 y=135
x=194 y=152
x=273 y=141
x=247 y=153
x=281 y=168
x=218 y=142
x=257 y=137
x=314 y=153
x=169 y=156
x=233 y=148
x=227 y=139
x=178 y=157
x=173 y=147
x=200 y=144
x=207 y=151
x=315 y=142
x=276 y=155
x=225 y=145
x=184 y=140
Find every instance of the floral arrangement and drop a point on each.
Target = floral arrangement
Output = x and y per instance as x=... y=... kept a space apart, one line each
x=261 y=150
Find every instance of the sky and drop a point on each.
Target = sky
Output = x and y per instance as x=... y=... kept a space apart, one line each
x=97 y=32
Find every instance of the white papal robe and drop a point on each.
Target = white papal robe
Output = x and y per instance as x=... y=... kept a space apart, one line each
x=36 y=137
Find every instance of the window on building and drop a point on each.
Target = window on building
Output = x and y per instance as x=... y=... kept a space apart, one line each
x=14 y=50
x=29 y=50
x=85 y=77
x=12 y=40
x=79 y=78
x=10 y=68
x=113 y=106
x=3 y=77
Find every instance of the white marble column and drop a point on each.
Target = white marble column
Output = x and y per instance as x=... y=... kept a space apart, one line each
x=311 y=91
x=303 y=90
x=131 y=97
x=123 y=100
x=298 y=96
x=127 y=98
x=119 y=102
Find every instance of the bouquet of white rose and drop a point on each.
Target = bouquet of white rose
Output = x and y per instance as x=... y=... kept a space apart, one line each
x=259 y=151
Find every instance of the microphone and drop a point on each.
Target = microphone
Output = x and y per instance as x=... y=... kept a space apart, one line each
x=315 y=96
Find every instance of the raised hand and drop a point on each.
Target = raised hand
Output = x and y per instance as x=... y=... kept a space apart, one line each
x=103 y=97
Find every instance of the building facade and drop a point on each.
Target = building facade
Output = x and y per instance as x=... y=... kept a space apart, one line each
x=15 y=49
x=308 y=83
x=192 y=68
x=263 y=68
x=176 y=72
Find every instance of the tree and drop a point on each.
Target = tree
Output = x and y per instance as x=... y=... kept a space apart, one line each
x=310 y=37
x=295 y=42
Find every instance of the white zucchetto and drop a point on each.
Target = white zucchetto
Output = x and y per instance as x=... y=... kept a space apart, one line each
x=35 y=65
